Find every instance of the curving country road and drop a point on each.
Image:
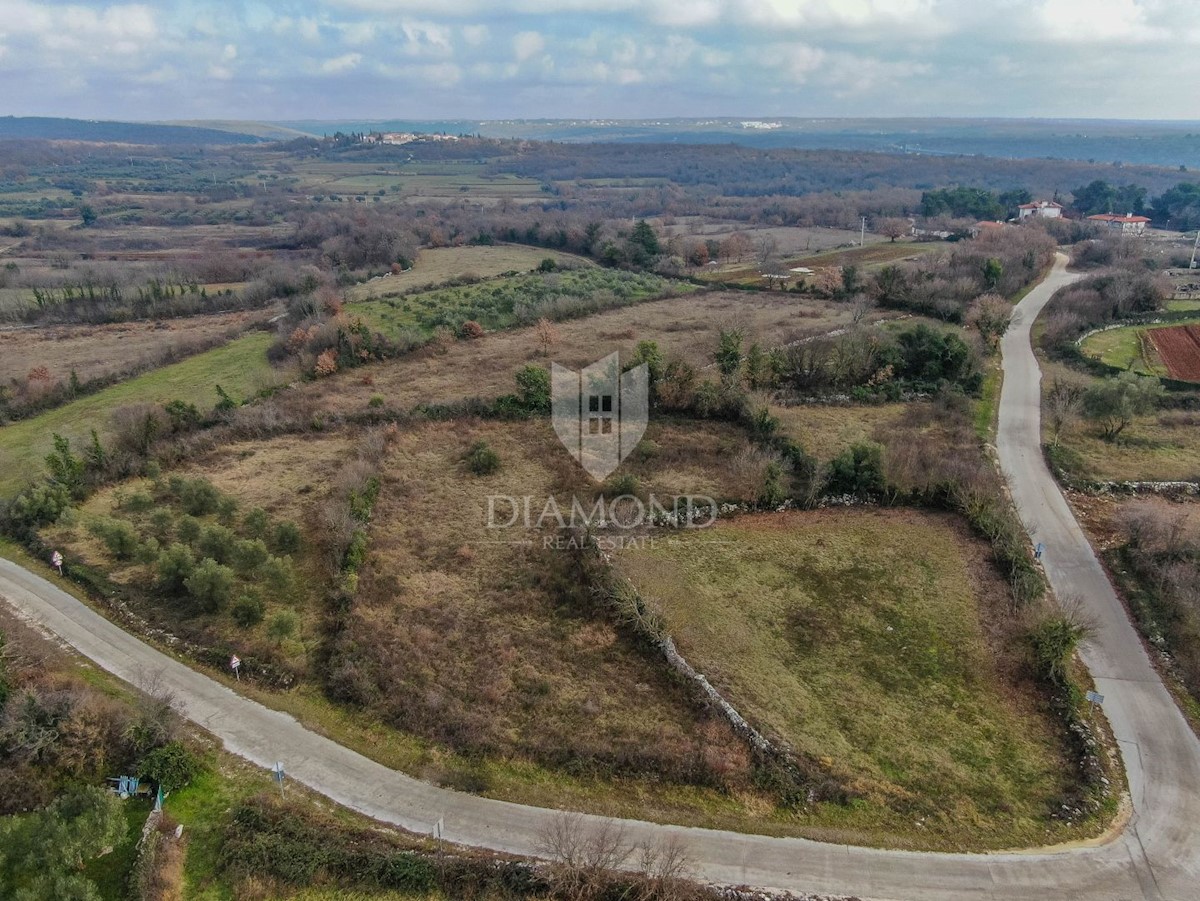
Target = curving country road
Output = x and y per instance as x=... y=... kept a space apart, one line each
x=1156 y=857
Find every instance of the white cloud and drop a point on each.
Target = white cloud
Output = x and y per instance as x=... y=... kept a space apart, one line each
x=528 y=44
x=426 y=39
x=475 y=35
x=1092 y=21
x=339 y=64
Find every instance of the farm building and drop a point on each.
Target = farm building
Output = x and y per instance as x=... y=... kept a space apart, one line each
x=1128 y=224
x=985 y=225
x=1044 y=209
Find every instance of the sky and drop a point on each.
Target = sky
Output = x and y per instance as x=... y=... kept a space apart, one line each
x=500 y=59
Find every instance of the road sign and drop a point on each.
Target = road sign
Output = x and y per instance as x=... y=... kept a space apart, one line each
x=1095 y=697
x=1037 y=551
x=235 y=664
x=57 y=559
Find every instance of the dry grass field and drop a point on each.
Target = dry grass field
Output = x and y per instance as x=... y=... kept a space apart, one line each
x=825 y=431
x=478 y=639
x=94 y=351
x=1162 y=445
x=685 y=326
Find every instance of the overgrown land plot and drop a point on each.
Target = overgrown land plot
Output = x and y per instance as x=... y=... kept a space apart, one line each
x=685 y=326
x=240 y=368
x=867 y=640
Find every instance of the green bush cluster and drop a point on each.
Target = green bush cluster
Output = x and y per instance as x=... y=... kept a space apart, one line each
x=523 y=299
x=202 y=562
x=482 y=459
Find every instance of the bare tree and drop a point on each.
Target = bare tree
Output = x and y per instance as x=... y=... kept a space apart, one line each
x=1064 y=402
x=583 y=855
x=546 y=334
x=892 y=227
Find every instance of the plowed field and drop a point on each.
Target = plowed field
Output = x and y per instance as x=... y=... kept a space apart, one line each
x=1179 y=348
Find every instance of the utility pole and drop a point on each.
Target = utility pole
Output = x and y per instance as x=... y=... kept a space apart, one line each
x=1192 y=264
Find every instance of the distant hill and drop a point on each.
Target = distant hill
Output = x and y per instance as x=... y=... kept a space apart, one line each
x=265 y=131
x=1156 y=143
x=52 y=129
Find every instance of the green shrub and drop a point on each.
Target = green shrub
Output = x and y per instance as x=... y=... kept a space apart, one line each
x=247 y=611
x=162 y=524
x=170 y=767
x=36 y=506
x=138 y=502
x=482 y=459
x=533 y=388
x=189 y=529
x=175 y=566
x=375 y=402
x=773 y=492
x=183 y=415
x=620 y=486
x=118 y=537
x=857 y=470
x=356 y=552
x=210 y=586
x=1053 y=641
x=199 y=497
x=256 y=523
x=249 y=555
x=279 y=577
x=227 y=510
x=286 y=539
x=216 y=542
x=283 y=625
x=148 y=551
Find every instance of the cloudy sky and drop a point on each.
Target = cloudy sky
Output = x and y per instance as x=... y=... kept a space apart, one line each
x=357 y=59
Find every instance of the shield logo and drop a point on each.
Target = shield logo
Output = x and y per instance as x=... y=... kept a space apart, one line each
x=600 y=413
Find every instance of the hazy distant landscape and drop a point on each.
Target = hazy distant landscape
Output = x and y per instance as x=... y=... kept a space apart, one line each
x=1168 y=143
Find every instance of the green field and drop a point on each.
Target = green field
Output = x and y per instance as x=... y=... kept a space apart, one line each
x=240 y=367
x=436 y=265
x=866 y=640
x=519 y=299
x=1127 y=348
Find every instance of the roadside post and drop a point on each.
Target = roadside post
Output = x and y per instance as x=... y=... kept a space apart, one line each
x=277 y=771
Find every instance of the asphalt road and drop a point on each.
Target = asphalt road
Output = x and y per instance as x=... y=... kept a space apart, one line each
x=1156 y=857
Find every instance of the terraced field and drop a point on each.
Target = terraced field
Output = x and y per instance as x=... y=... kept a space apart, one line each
x=1179 y=348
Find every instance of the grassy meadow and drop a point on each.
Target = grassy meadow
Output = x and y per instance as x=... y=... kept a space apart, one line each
x=867 y=640
x=240 y=367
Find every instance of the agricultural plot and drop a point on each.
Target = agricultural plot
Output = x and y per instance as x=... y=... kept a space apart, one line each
x=240 y=367
x=870 y=256
x=825 y=431
x=685 y=326
x=479 y=639
x=1156 y=446
x=436 y=265
x=871 y=642
x=445 y=182
x=517 y=300
x=1179 y=348
x=98 y=351
x=205 y=564
x=1125 y=348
